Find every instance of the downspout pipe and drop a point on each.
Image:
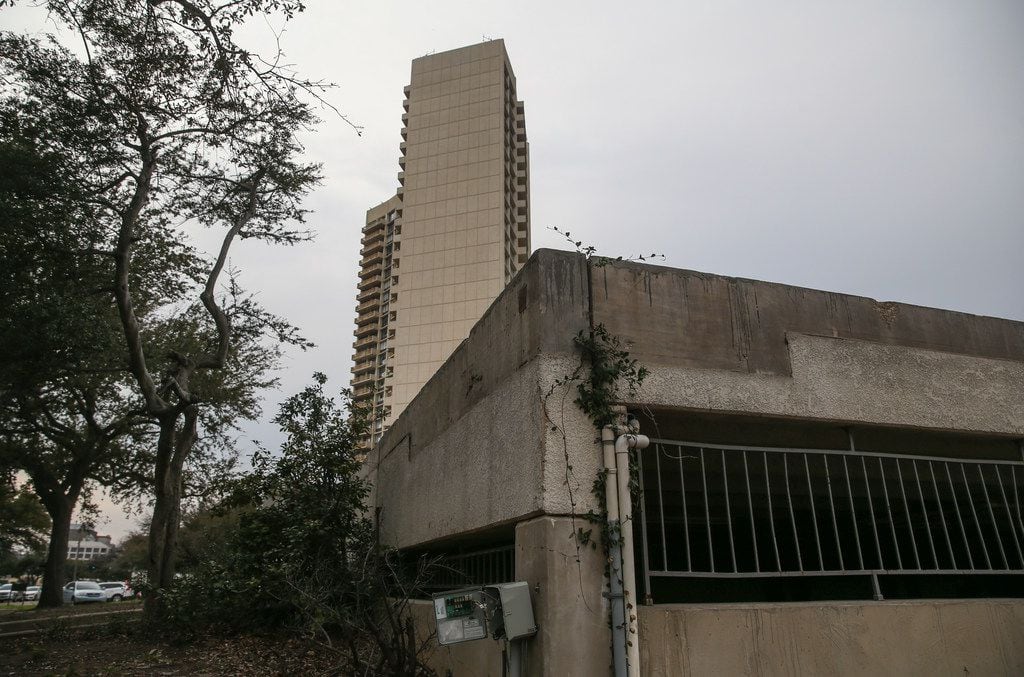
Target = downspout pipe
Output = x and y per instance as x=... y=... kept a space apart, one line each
x=623 y=445
x=615 y=598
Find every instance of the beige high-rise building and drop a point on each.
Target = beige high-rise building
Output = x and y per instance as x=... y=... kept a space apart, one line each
x=438 y=253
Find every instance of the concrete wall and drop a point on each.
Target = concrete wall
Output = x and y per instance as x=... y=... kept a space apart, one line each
x=473 y=449
x=494 y=436
x=567 y=583
x=927 y=638
x=742 y=346
x=566 y=588
x=495 y=439
x=854 y=381
x=481 y=658
x=691 y=319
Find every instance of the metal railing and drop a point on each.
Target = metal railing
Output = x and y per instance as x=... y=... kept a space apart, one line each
x=480 y=567
x=712 y=510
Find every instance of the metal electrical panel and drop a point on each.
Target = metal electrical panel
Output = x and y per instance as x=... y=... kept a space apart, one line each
x=461 y=616
x=501 y=611
x=516 y=611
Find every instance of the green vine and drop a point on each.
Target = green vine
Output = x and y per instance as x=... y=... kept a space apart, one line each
x=605 y=368
x=610 y=367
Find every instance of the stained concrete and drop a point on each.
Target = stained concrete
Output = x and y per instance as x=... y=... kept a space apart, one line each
x=482 y=470
x=691 y=319
x=481 y=658
x=567 y=585
x=494 y=439
x=927 y=638
x=858 y=382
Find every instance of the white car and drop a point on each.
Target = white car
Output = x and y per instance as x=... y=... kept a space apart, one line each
x=114 y=592
x=9 y=594
x=32 y=593
x=83 y=591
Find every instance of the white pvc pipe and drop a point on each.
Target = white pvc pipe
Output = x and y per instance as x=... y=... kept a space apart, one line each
x=615 y=598
x=611 y=497
x=622 y=446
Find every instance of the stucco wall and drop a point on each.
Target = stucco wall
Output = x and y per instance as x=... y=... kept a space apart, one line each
x=858 y=381
x=491 y=436
x=927 y=638
x=483 y=469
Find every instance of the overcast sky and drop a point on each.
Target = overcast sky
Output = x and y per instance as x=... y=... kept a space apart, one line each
x=872 y=148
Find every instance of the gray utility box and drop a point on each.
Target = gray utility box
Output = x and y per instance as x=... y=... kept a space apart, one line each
x=501 y=611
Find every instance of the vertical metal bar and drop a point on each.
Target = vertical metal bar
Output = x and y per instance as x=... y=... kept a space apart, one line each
x=959 y=518
x=924 y=511
x=892 y=522
x=1016 y=496
x=750 y=503
x=814 y=515
x=832 y=506
x=974 y=512
x=876 y=589
x=686 y=517
x=792 y=515
x=771 y=513
x=992 y=516
x=643 y=526
x=707 y=509
x=728 y=513
x=942 y=514
x=853 y=512
x=1009 y=515
x=661 y=506
x=906 y=510
x=871 y=513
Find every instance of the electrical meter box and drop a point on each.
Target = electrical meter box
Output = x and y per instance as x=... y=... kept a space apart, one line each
x=461 y=616
x=501 y=611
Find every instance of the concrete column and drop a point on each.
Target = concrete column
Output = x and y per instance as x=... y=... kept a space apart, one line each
x=568 y=602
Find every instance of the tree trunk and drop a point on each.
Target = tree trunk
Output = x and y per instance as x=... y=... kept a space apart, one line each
x=52 y=594
x=161 y=515
x=173 y=448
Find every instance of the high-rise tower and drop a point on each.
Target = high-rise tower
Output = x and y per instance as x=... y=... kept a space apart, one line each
x=438 y=253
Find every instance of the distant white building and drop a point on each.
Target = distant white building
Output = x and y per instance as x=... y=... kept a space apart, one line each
x=85 y=543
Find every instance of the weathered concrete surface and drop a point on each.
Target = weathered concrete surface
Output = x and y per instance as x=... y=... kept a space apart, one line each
x=539 y=312
x=927 y=638
x=690 y=319
x=490 y=438
x=862 y=382
x=572 y=614
x=481 y=658
x=473 y=450
x=482 y=470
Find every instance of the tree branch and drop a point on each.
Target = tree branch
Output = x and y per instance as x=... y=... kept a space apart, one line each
x=220 y=318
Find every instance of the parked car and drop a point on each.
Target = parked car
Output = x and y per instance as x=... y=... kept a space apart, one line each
x=83 y=591
x=114 y=592
x=12 y=592
x=32 y=593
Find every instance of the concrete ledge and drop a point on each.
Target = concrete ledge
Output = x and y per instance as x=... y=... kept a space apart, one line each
x=906 y=637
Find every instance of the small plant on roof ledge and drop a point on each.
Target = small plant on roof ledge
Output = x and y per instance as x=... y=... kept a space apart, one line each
x=590 y=252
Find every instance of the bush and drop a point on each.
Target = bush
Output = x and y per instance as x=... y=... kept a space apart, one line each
x=302 y=557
